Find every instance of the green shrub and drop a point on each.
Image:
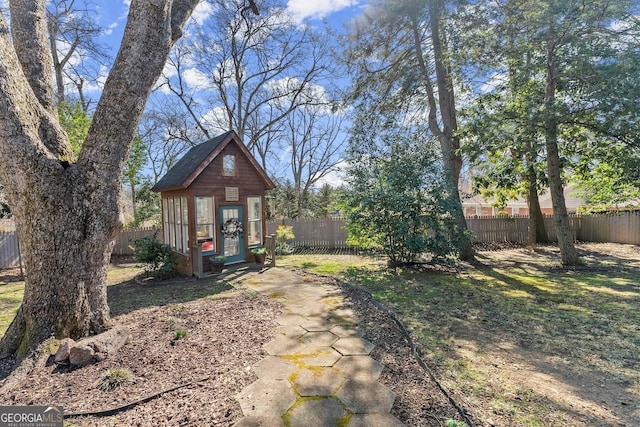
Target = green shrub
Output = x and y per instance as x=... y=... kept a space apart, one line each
x=159 y=259
x=114 y=377
x=398 y=201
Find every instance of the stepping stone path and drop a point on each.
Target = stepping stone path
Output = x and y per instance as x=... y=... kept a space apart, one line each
x=318 y=372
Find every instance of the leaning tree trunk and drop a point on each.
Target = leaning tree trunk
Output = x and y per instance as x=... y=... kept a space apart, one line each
x=568 y=252
x=67 y=215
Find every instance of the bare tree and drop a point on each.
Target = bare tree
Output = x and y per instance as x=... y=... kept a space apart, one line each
x=74 y=49
x=313 y=137
x=67 y=214
x=254 y=71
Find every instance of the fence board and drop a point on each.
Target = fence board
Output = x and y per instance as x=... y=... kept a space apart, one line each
x=9 y=257
x=123 y=241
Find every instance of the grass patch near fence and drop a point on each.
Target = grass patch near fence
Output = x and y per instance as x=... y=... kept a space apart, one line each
x=570 y=324
x=10 y=299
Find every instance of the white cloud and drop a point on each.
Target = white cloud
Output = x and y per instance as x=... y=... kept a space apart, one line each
x=196 y=79
x=216 y=118
x=302 y=9
x=335 y=178
x=202 y=11
x=110 y=29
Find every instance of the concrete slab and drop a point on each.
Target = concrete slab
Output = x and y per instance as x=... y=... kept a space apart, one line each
x=266 y=398
x=375 y=420
x=364 y=397
x=314 y=356
x=282 y=345
x=292 y=331
x=344 y=316
x=359 y=367
x=317 y=325
x=291 y=319
x=316 y=412
x=317 y=381
x=319 y=338
x=347 y=331
x=254 y=421
x=309 y=310
x=274 y=368
x=353 y=346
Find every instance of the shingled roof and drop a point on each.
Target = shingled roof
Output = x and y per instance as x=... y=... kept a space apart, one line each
x=182 y=174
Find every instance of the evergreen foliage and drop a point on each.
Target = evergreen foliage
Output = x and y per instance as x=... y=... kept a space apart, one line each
x=159 y=259
x=399 y=200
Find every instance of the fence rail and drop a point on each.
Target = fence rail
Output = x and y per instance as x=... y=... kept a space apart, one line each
x=618 y=227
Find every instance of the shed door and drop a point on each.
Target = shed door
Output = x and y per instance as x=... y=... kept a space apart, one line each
x=232 y=235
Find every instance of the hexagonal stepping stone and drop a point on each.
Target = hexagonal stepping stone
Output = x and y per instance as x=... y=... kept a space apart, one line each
x=292 y=331
x=308 y=310
x=359 y=367
x=317 y=325
x=347 y=331
x=317 y=382
x=319 y=338
x=363 y=397
x=291 y=319
x=314 y=356
x=266 y=398
x=344 y=316
x=375 y=420
x=282 y=345
x=274 y=368
x=316 y=412
x=353 y=346
x=264 y=421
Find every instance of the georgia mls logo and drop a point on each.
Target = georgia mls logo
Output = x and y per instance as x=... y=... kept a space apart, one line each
x=31 y=416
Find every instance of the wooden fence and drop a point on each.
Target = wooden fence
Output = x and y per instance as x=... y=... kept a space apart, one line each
x=622 y=227
x=323 y=233
x=123 y=241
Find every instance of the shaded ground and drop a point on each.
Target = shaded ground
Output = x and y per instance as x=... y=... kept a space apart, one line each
x=521 y=341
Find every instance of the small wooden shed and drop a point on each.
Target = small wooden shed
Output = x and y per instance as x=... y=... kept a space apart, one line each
x=213 y=203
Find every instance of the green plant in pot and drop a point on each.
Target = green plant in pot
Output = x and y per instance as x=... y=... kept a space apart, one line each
x=217 y=263
x=260 y=254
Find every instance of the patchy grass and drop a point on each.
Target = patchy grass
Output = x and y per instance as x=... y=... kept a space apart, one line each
x=10 y=300
x=569 y=325
x=329 y=265
x=124 y=294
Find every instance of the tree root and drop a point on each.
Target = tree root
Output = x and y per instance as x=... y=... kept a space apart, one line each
x=35 y=360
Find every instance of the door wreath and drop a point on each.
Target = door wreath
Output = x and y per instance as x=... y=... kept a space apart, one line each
x=232 y=228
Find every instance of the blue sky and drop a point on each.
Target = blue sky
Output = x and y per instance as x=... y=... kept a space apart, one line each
x=112 y=14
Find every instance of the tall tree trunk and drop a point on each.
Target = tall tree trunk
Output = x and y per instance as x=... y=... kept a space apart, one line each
x=568 y=252
x=449 y=140
x=68 y=215
x=537 y=230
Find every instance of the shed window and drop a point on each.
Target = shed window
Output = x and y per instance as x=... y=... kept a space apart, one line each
x=254 y=219
x=204 y=224
x=175 y=222
x=229 y=165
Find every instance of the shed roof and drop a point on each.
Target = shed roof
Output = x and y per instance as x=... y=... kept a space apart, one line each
x=187 y=169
